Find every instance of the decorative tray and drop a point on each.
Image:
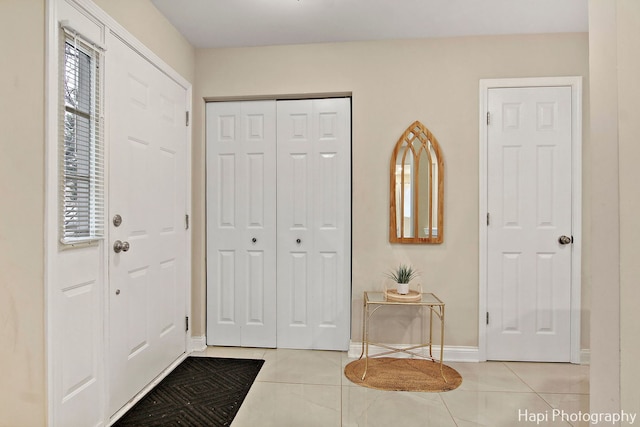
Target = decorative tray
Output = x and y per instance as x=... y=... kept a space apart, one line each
x=393 y=295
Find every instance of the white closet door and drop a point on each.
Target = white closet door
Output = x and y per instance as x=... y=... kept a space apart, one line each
x=314 y=224
x=241 y=223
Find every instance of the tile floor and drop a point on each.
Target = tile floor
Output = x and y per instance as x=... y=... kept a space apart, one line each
x=301 y=388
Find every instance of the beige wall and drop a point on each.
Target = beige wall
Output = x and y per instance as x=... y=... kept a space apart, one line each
x=626 y=44
x=614 y=38
x=394 y=83
x=147 y=24
x=628 y=133
x=22 y=109
x=22 y=333
x=605 y=331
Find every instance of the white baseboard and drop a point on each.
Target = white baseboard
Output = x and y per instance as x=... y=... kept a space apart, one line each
x=197 y=344
x=450 y=354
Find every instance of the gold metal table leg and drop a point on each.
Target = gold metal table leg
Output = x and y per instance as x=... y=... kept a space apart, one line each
x=442 y=342
x=365 y=338
x=364 y=308
x=431 y=332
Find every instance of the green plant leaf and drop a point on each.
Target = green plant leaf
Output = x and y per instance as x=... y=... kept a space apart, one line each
x=403 y=274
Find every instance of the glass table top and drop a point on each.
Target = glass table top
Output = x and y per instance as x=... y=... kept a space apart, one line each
x=380 y=298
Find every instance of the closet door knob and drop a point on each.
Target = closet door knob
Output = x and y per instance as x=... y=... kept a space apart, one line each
x=298 y=241
x=564 y=240
x=254 y=240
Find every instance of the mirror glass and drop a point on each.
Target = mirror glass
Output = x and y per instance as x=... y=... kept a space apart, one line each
x=417 y=188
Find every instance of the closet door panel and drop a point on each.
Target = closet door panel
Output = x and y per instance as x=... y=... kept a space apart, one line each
x=295 y=234
x=332 y=223
x=241 y=224
x=223 y=222
x=258 y=200
x=314 y=192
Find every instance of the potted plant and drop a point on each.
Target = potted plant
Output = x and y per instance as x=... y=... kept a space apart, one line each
x=402 y=275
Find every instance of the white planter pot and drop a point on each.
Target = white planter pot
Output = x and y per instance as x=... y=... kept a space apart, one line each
x=403 y=288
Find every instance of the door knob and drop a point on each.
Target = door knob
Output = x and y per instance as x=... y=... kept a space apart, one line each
x=298 y=241
x=254 y=240
x=564 y=240
x=119 y=246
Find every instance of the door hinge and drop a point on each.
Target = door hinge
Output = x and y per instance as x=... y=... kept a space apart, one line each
x=186 y=323
x=488 y=221
x=186 y=118
x=186 y=222
x=487 y=317
x=488 y=117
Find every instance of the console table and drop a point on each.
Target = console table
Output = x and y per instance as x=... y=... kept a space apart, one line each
x=373 y=301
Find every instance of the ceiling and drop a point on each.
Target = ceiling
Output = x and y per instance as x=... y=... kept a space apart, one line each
x=233 y=23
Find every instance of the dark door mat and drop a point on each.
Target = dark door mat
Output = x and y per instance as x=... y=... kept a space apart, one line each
x=201 y=391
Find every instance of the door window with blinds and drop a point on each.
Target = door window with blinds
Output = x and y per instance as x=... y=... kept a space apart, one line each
x=81 y=142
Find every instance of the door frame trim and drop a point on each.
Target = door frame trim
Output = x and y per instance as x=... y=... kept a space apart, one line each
x=575 y=83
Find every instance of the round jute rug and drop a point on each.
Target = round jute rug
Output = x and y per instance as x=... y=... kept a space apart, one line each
x=388 y=373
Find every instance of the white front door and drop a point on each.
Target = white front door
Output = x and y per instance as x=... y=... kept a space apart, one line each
x=314 y=223
x=148 y=184
x=241 y=223
x=529 y=206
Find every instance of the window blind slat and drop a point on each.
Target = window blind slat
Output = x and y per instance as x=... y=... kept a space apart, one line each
x=81 y=143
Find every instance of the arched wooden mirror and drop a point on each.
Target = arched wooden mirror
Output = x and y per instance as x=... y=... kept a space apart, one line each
x=417 y=188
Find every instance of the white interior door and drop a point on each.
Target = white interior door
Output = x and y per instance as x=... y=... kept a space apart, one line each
x=529 y=203
x=148 y=184
x=314 y=224
x=241 y=223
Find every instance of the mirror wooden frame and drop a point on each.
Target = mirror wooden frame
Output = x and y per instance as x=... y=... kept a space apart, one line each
x=427 y=145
